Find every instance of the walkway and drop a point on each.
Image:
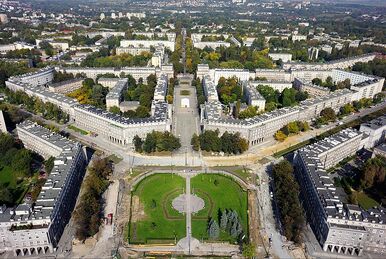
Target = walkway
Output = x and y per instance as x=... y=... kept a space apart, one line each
x=188 y=242
x=189 y=245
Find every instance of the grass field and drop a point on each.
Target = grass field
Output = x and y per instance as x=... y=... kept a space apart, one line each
x=184 y=92
x=225 y=194
x=161 y=223
x=365 y=201
x=83 y=132
x=114 y=158
x=18 y=184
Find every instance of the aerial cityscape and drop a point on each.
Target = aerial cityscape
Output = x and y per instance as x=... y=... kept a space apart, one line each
x=192 y=128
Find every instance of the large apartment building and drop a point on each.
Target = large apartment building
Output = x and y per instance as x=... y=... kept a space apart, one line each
x=35 y=227
x=114 y=128
x=336 y=64
x=339 y=227
x=262 y=127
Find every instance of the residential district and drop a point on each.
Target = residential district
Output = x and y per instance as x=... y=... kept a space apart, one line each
x=241 y=129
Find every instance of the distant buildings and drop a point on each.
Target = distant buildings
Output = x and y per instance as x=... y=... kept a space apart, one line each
x=116 y=86
x=336 y=64
x=36 y=229
x=66 y=87
x=285 y=57
x=338 y=226
x=262 y=127
x=167 y=43
x=15 y=46
x=136 y=15
x=298 y=37
x=198 y=43
x=113 y=127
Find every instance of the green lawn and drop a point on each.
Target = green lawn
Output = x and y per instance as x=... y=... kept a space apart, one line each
x=365 y=201
x=242 y=172
x=184 y=92
x=161 y=222
x=114 y=158
x=227 y=194
x=83 y=132
x=18 y=185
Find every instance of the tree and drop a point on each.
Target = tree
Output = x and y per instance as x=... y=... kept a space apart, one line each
x=280 y=136
x=249 y=112
x=5 y=195
x=142 y=112
x=138 y=144
x=301 y=96
x=287 y=198
x=288 y=97
x=303 y=126
x=21 y=162
x=374 y=172
x=115 y=109
x=328 y=114
x=292 y=128
x=378 y=98
x=150 y=144
x=223 y=220
x=249 y=250
x=195 y=142
x=233 y=232
x=6 y=143
x=317 y=81
x=213 y=229
x=347 y=109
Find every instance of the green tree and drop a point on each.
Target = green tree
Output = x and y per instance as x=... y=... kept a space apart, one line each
x=213 y=230
x=138 y=144
x=347 y=109
x=288 y=97
x=223 y=220
x=287 y=198
x=195 y=142
x=280 y=136
x=249 y=251
x=6 y=143
x=21 y=162
x=115 y=109
x=328 y=114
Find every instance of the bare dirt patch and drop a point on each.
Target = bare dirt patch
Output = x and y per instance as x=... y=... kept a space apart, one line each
x=138 y=210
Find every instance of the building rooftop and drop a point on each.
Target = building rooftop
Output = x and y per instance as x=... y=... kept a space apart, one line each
x=375 y=124
x=333 y=198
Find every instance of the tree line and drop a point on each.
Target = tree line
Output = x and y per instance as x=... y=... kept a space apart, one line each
x=48 y=110
x=292 y=128
x=287 y=98
x=17 y=159
x=229 y=223
x=156 y=142
x=210 y=141
x=90 y=93
x=286 y=193
x=236 y=57
x=88 y=213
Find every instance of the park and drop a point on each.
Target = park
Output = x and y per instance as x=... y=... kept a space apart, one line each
x=158 y=217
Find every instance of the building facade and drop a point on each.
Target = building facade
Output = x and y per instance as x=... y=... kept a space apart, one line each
x=338 y=226
x=34 y=230
x=376 y=131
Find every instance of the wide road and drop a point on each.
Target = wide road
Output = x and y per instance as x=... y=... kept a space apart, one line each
x=185 y=112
